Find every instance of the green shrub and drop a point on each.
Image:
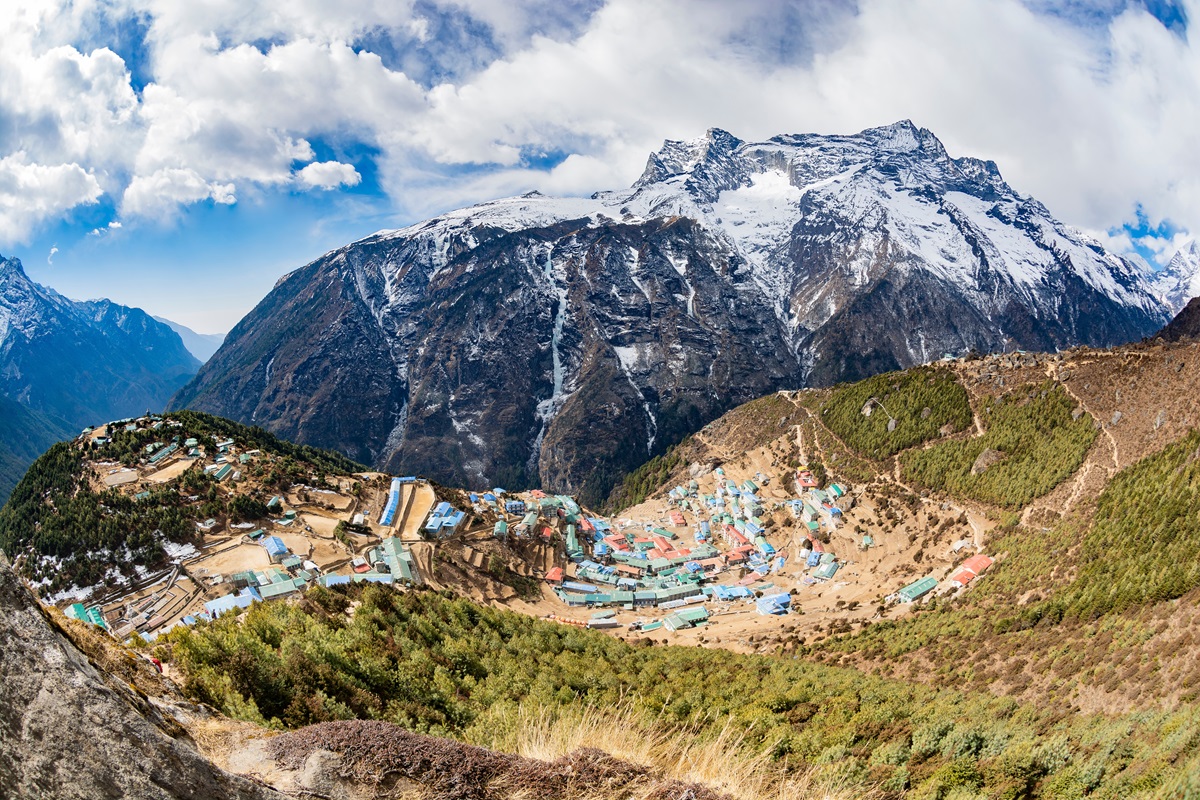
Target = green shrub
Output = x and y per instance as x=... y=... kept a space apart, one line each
x=1039 y=442
x=903 y=396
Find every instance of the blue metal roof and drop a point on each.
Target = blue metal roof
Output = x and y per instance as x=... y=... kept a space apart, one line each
x=274 y=545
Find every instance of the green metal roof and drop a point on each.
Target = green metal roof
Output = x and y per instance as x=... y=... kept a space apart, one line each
x=918 y=589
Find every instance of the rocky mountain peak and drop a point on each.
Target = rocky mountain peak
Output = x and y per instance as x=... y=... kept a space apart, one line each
x=729 y=269
x=1179 y=281
x=677 y=158
x=11 y=268
x=905 y=137
x=120 y=360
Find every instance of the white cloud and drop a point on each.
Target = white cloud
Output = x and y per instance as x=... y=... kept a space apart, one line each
x=50 y=255
x=328 y=175
x=160 y=192
x=31 y=193
x=112 y=226
x=1091 y=113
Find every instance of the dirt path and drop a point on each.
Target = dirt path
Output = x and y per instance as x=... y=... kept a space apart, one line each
x=893 y=475
x=1112 y=440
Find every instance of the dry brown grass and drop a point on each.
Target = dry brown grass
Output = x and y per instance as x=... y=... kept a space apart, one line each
x=726 y=761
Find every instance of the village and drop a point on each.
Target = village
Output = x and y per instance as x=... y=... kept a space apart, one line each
x=717 y=556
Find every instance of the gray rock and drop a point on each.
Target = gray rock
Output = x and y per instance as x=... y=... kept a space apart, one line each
x=70 y=731
x=985 y=460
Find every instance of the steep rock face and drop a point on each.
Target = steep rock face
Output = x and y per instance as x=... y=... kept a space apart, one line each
x=562 y=341
x=1186 y=324
x=68 y=732
x=83 y=362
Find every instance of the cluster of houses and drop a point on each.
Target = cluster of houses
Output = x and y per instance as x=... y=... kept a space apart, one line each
x=388 y=562
x=444 y=520
x=612 y=565
x=156 y=454
x=649 y=566
x=287 y=575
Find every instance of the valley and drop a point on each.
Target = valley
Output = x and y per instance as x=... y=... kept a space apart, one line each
x=600 y=400
x=949 y=529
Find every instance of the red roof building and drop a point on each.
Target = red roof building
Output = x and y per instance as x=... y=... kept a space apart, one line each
x=971 y=569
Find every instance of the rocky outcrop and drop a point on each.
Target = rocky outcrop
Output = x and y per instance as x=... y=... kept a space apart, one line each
x=1186 y=324
x=365 y=759
x=561 y=341
x=985 y=460
x=71 y=731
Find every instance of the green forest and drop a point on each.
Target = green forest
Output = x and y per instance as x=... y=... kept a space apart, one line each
x=449 y=667
x=922 y=401
x=645 y=480
x=1144 y=543
x=1033 y=434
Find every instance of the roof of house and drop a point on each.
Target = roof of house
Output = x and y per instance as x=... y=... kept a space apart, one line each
x=918 y=588
x=274 y=545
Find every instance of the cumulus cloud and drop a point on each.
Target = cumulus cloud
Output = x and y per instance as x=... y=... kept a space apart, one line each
x=328 y=175
x=31 y=192
x=112 y=226
x=1088 y=107
x=163 y=190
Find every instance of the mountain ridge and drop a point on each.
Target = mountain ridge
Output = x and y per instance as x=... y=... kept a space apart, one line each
x=200 y=345
x=561 y=341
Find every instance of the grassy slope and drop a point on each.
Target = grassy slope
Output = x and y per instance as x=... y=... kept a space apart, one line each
x=446 y=666
x=1106 y=604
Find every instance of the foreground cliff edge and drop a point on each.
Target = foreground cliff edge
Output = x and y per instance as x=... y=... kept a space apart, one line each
x=69 y=729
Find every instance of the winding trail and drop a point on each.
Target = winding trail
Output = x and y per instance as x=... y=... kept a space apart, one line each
x=892 y=475
x=1092 y=462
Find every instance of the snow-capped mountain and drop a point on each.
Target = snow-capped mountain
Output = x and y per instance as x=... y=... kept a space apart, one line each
x=563 y=340
x=83 y=362
x=1179 y=282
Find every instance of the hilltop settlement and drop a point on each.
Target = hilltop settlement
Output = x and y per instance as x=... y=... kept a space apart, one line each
x=236 y=520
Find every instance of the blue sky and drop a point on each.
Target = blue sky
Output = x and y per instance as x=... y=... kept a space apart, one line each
x=183 y=156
